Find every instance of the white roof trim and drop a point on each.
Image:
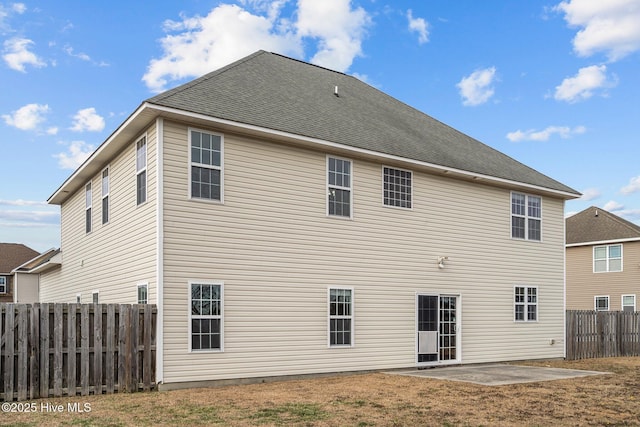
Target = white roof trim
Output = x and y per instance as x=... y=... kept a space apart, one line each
x=603 y=242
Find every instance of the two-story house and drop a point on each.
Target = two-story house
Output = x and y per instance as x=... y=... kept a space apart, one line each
x=288 y=219
x=603 y=261
x=12 y=256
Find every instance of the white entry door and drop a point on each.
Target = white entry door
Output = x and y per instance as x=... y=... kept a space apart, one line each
x=438 y=329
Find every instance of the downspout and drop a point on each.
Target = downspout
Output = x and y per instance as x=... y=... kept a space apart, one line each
x=564 y=281
x=159 y=250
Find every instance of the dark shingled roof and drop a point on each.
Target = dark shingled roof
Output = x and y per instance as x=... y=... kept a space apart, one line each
x=597 y=225
x=283 y=94
x=13 y=255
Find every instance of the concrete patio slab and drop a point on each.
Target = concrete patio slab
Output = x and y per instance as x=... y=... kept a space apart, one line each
x=496 y=373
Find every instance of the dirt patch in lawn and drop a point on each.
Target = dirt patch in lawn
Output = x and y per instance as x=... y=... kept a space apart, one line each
x=369 y=400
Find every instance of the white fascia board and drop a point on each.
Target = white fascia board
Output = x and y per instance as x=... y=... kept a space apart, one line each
x=315 y=141
x=603 y=242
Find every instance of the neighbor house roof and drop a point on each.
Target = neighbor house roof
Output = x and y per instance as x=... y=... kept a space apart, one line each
x=595 y=225
x=267 y=92
x=13 y=255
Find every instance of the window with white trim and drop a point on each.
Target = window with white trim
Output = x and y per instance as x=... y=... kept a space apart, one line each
x=526 y=304
x=629 y=303
x=601 y=303
x=397 y=187
x=141 y=170
x=3 y=284
x=206 y=165
x=526 y=217
x=105 y=195
x=95 y=297
x=340 y=317
x=205 y=316
x=607 y=258
x=87 y=208
x=143 y=293
x=339 y=187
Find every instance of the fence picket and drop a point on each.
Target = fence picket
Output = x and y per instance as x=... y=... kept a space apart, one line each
x=602 y=334
x=54 y=349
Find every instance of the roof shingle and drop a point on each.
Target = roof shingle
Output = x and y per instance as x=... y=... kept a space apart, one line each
x=13 y=255
x=597 y=225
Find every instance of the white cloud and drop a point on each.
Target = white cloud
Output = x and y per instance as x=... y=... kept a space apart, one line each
x=22 y=217
x=27 y=117
x=632 y=187
x=590 y=194
x=582 y=85
x=420 y=26
x=87 y=120
x=20 y=202
x=82 y=56
x=17 y=54
x=197 y=45
x=338 y=29
x=543 y=135
x=77 y=153
x=609 y=26
x=6 y=12
x=612 y=206
x=477 y=88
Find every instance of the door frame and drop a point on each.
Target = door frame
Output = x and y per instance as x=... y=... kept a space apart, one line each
x=458 y=358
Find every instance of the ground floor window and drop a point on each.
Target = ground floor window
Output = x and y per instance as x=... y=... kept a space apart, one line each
x=526 y=304
x=205 y=301
x=629 y=303
x=601 y=302
x=3 y=285
x=340 y=317
x=143 y=293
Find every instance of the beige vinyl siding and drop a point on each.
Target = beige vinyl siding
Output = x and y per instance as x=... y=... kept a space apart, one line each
x=276 y=251
x=25 y=288
x=116 y=256
x=583 y=284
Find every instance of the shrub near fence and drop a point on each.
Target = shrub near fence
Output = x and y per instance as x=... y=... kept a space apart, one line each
x=70 y=349
x=602 y=334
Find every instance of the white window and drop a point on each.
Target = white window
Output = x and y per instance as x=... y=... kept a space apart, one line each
x=3 y=284
x=141 y=170
x=205 y=316
x=607 y=258
x=526 y=217
x=601 y=302
x=526 y=304
x=105 y=195
x=340 y=317
x=95 y=297
x=87 y=208
x=143 y=293
x=397 y=187
x=628 y=303
x=206 y=165
x=339 y=187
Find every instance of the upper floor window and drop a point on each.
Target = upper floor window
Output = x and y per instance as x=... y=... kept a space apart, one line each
x=87 y=208
x=397 y=187
x=526 y=304
x=105 y=196
x=607 y=258
x=3 y=284
x=526 y=217
x=601 y=302
x=206 y=165
x=141 y=171
x=339 y=186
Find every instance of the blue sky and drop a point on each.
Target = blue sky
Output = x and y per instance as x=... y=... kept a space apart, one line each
x=554 y=84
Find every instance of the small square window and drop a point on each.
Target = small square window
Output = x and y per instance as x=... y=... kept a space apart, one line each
x=601 y=303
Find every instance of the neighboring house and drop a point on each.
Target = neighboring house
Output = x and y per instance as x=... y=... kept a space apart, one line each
x=288 y=219
x=12 y=255
x=603 y=261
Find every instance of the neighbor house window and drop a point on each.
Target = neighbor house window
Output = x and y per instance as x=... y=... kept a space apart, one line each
x=141 y=171
x=87 y=208
x=95 y=297
x=3 y=284
x=607 y=258
x=340 y=317
x=628 y=303
x=601 y=302
x=143 y=293
x=105 y=196
x=526 y=304
x=205 y=316
x=206 y=165
x=339 y=186
x=526 y=217
x=397 y=187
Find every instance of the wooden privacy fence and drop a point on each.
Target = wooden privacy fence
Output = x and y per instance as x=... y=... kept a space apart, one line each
x=602 y=334
x=70 y=349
